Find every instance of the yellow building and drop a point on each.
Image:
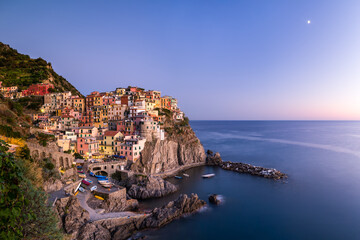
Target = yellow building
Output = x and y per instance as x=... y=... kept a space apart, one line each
x=100 y=116
x=78 y=104
x=107 y=144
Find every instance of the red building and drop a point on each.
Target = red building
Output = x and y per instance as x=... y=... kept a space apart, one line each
x=38 y=89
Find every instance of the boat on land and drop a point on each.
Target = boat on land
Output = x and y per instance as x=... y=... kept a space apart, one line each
x=208 y=175
x=92 y=174
x=101 y=177
x=85 y=182
x=107 y=185
x=82 y=175
x=98 y=197
x=178 y=177
x=93 y=188
x=186 y=175
x=88 y=180
x=103 y=181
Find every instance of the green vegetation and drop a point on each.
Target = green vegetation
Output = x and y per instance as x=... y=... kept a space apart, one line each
x=43 y=138
x=23 y=205
x=8 y=132
x=20 y=70
x=78 y=156
x=31 y=102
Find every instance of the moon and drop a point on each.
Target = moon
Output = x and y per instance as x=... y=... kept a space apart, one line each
x=308 y=22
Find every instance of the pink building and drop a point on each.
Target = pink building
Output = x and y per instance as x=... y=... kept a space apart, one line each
x=87 y=145
x=130 y=148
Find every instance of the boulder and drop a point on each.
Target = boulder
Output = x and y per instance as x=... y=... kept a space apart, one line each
x=213 y=198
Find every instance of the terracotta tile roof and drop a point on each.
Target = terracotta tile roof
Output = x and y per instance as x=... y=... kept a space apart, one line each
x=110 y=133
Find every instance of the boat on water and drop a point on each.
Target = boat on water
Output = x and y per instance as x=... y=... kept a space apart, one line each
x=186 y=175
x=208 y=175
x=178 y=177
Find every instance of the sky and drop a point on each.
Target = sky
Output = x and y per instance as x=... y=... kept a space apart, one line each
x=222 y=60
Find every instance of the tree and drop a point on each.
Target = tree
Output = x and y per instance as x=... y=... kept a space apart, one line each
x=24 y=213
x=78 y=156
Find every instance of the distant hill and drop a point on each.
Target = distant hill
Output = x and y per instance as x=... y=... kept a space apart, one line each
x=21 y=70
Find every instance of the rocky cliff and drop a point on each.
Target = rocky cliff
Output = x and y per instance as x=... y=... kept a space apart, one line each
x=179 y=149
x=151 y=187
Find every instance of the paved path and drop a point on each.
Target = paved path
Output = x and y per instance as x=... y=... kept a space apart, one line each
x=94 y=216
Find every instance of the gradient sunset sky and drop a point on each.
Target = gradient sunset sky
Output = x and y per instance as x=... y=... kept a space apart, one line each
x=231 y=60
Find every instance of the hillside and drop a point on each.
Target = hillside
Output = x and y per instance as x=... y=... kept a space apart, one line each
x=21 y=70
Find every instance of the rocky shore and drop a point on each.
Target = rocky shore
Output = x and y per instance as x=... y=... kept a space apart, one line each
x=75 y=219
x=215 y=160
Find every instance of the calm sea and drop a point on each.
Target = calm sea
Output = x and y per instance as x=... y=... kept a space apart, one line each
x=319 y=200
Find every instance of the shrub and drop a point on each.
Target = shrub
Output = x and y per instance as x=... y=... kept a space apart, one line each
x=49 y=165
x=78 y=156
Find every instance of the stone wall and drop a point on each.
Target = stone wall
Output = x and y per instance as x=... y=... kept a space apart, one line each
x=52 y=152
x=108 y=167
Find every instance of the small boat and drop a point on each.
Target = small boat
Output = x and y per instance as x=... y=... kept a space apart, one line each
x=186 y=175
x=98 y=197
x=178 y=177
x=101 y=177
x=82 y=175
x=208 y=175
x=80 y=171
x=81 y=189
x=77 y=192
x=93 y=188
x=107 y=185
x=85 y=182
x=103 y=181
x=88 y=180
x=92 y=174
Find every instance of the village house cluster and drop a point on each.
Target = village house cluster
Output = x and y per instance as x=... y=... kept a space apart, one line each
x=39 y=89
x=104 y=124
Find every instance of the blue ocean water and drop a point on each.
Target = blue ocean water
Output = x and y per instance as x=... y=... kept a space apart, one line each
x=319 y=200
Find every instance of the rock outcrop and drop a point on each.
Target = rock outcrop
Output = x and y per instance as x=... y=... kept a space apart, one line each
x=71 y=214
x=53 y=185
x=215 y=199
x=123 y=228
x=176 y=151
x=151 y=187
x=215 y=160
x=174 y=209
